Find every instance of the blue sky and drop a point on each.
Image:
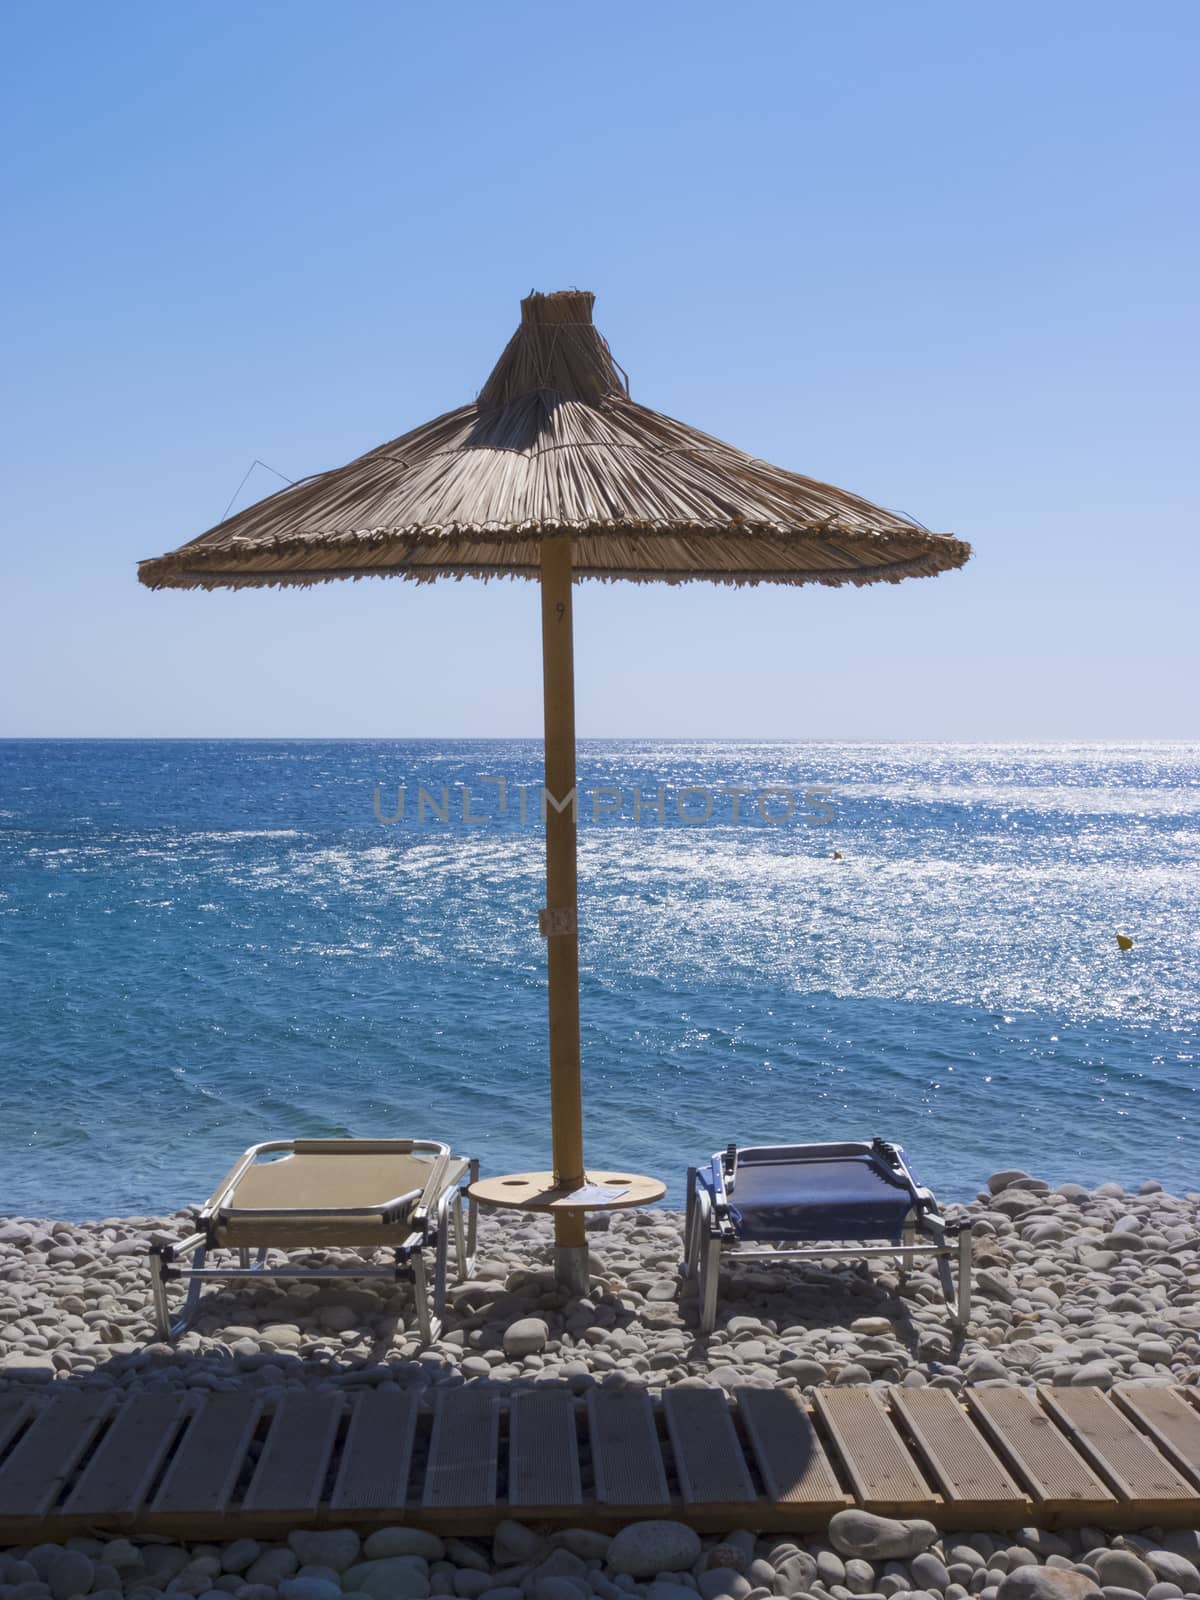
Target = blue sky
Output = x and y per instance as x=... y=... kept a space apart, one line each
x=944 y=255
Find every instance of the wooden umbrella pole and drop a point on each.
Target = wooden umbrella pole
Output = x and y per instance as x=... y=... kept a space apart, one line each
x=559 y=921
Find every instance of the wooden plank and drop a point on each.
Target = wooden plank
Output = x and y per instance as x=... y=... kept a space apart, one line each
x=1164 y=1413
x=40 y=1465
x=1127 y=1458
x=463 y=1449
x=1042 y=1459
x=626 y=1457
x=15 y=1410
x=967 y=1471
x=1121 y=1453
x=708 y=1453
x=119 y=1475
x=543 y=1450
x=291 y=1470
x=377 y=1458
x=794 y=1468
x=206 y=1467
x=881 y=1470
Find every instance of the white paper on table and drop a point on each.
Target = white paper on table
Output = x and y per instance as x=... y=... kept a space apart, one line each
x=597 y=1194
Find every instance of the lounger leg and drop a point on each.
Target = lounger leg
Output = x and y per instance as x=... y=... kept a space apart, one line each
x=243 y=1257
x=421 y=1298
x=472 y=1221
x=937 y=1232
x=696 y=1243
x=164 y=1327
x=710 y=1276
x=694 y=1219
x=158 y=1297
x=687 y=1266
x=963 y=1316
x=908 y=1238
x=460 y=1240
x=441 y=1257
x=190 y=1301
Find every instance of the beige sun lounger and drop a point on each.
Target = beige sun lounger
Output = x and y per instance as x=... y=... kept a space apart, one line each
x=402 y=1195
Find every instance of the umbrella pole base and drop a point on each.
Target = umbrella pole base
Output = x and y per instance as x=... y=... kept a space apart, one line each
x=571 y=1269
x=542 y=1191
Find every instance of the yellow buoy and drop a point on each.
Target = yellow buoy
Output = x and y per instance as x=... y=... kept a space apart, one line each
x=1124 y=942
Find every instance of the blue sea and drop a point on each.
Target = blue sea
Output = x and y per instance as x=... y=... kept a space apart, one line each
x=208 y=943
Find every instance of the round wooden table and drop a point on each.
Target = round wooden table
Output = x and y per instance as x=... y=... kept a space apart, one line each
x=536 y=1191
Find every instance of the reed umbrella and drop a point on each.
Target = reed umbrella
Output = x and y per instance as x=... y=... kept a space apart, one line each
x=553 y=472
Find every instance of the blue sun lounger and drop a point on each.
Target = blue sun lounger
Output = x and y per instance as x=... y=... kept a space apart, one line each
x=792 y=1202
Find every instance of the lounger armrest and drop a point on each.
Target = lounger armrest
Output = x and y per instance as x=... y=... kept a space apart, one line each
x=378 y=1147
x=170 y=1250
x=923 y=1198
x=720 y=1193
x=222 y=1198
x=729 y=1165
x=435 y=1185
x=395 y=1209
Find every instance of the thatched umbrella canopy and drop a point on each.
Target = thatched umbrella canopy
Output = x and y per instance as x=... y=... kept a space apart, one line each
x=553 y=472
x=554 y=447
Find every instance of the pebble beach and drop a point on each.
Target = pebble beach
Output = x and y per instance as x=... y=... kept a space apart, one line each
x=1072 y=1286
x=860 y=1555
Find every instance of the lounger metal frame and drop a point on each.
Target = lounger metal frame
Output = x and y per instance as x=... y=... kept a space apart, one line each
x=438 y=1213
x=710 y=1233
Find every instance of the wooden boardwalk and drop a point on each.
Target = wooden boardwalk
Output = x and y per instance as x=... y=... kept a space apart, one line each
x=224 y=1464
